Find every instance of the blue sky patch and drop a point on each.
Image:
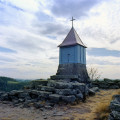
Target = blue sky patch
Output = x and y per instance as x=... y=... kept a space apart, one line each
x=3 y=49
x=103 y=52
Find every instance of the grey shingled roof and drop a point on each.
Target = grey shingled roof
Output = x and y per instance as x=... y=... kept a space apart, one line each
x=72 y=39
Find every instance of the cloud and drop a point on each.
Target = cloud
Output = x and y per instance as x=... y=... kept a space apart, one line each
x=103 y=60
x=68 y=8
x=27 y=5
x=51 y=28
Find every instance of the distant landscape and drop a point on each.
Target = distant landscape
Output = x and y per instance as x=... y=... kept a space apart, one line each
x=7 y=84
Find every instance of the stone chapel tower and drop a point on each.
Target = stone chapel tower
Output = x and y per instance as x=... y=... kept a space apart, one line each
x=72 y=58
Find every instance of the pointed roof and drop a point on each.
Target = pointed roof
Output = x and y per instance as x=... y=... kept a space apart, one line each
x=72 y=39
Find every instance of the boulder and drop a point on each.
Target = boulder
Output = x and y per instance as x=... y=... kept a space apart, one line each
x=115 y=105
x=59 y=85
x=46 y=88
x=4 y=97
x=38 y=105
x=21 y=100
x=69 y=99
x=78 y=85
x=95 y=89
x=91 y=92
x=23 y=95
x=33 y=94
x=1 y=93
x=66 y=92
x=55 y=98
x=44 y=94
x=15 y=92
x=117 y=97
x=114 y=115
x=79 y=96
x=114 y=87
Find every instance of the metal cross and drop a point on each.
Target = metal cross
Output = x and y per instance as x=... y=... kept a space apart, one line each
x=72 y=21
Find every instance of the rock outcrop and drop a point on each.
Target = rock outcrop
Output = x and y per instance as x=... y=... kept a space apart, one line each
x=106 y=84
x=51 y=91
x=115 y=108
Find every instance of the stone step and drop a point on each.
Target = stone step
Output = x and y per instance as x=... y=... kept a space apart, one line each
x=40 y=93
x=55 y=97
x=67 y=91
x=69 y=99
x=66 y=85
x=54 y=77
x=46 y=88
x=59 y=85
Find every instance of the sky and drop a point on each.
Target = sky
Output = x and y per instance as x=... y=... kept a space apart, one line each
x=31 y=30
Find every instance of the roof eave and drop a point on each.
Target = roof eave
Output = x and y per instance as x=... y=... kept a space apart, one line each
x=71 y=45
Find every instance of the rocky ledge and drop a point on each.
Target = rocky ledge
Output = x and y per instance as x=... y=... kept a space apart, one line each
x=106 y=84
x=47 y=93
x=115 y=108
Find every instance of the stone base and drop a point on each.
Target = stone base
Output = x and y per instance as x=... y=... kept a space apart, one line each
x=55 y=77
x=73 y=71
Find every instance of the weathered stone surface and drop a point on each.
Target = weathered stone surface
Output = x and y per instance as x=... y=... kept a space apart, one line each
x=44 y=94
x=59 y=85
x=115 y=105
x=55 y=97
x=4 y=97
x=114 y=115
x=74 y=69
x=15 y=92
x=69 y=99
x=107 y=84
x=66 y=91
x=79 y=96
x=55 y=77
x=95 y=89
x=23 y=95
x=91 y=92
x=38 y=105
x=21 y=100
x=117 y=97
x=46 y=88
x=80 y=86
x=1 y=93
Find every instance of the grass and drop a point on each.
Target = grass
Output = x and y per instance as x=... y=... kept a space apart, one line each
x=103 y=109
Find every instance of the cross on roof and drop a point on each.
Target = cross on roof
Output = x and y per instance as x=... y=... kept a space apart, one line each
x=72 y=21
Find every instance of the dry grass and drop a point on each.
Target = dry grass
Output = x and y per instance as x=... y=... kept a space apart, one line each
x=102 y=108
x=119 y=92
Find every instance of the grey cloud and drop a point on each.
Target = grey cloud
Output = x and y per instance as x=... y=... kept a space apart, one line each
x=51 y=28
x=99 y=62
x=95 y=32
x=53 y=58
x=76 y=8
x=29 y=44
x=7 y=59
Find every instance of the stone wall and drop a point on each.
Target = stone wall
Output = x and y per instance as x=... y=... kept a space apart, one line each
x=115 y=108
x=74 y=69
x=107 y=84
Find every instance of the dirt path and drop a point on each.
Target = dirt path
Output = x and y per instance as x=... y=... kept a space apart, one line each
x=87 y=111
x=81 y=111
